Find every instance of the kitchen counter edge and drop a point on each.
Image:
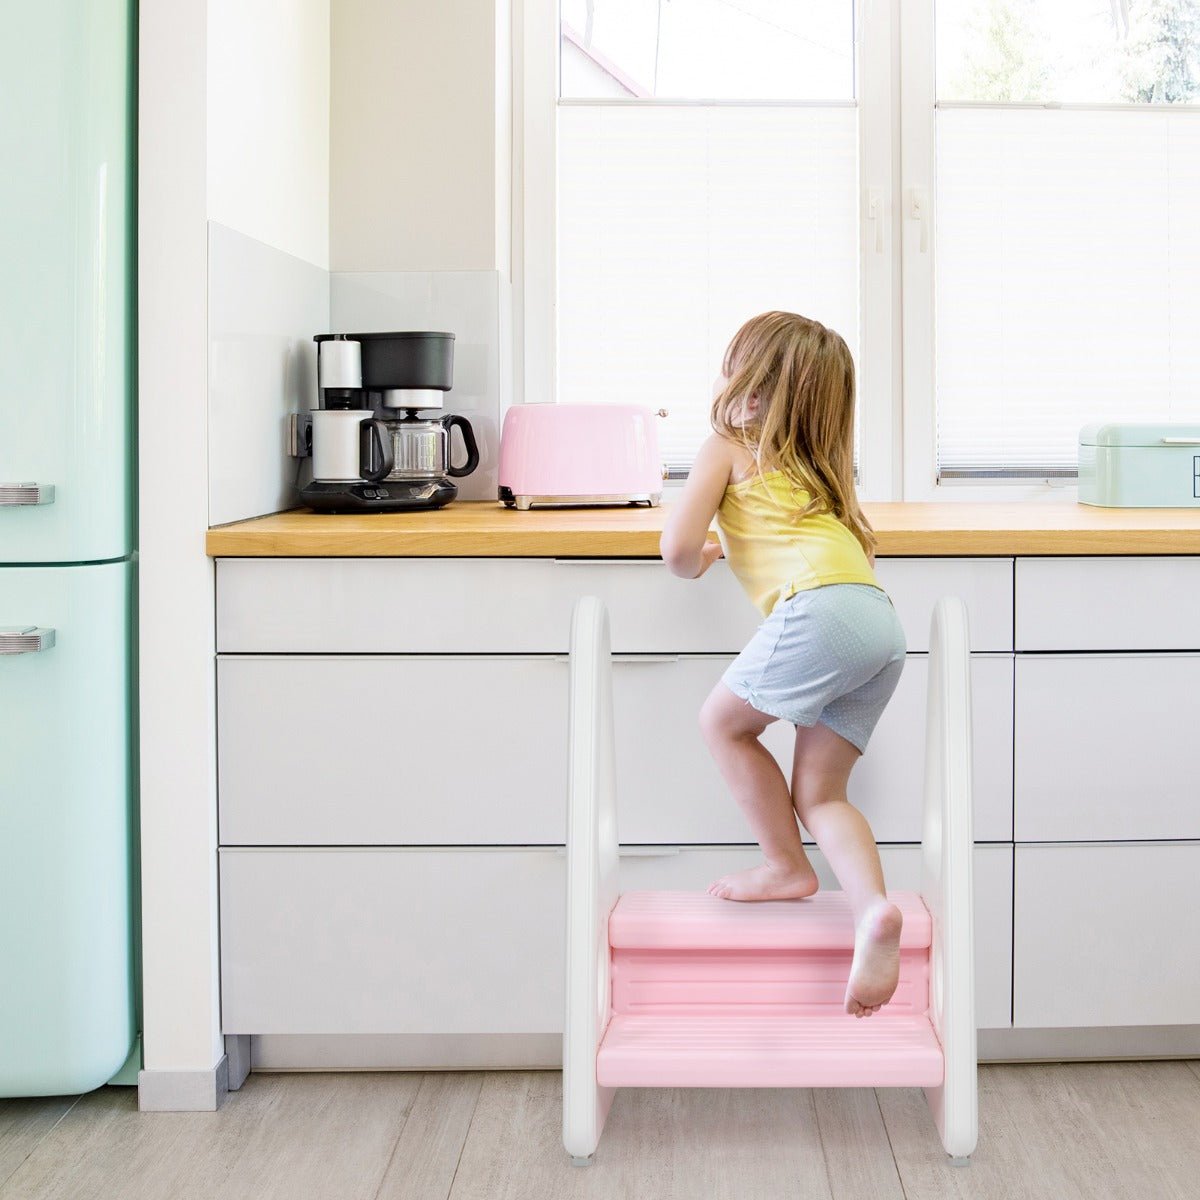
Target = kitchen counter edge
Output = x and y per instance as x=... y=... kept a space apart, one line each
x=484 y=530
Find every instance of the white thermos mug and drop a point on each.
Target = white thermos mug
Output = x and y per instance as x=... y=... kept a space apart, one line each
x=350 y=444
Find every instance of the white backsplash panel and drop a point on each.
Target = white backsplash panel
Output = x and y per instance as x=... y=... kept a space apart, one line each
x=264 y=306
x=473 y=305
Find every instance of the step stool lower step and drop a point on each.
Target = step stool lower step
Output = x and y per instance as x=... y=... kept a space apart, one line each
x=769 y=1051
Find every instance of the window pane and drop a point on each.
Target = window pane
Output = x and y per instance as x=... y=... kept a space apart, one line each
x=1068 y=279
x=676 y=225
x=708 y=49
x=1069 y=51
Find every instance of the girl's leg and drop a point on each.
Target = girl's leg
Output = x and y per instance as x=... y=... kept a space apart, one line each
x=731 y=729
x=820 y=771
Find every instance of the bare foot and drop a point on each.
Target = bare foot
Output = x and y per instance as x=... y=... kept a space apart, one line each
x=876 y=967
x=766 y=883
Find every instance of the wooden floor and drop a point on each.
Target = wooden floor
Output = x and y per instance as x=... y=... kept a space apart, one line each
x=1094 y=1131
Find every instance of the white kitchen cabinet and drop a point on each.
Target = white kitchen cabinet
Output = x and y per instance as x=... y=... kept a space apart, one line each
x=487 y=765
x=1104 y=935
x=668 y=789
x=1105 y=747
x=521 y=606
x=471 y=605
x=984 y=584
x=378 y=941
x=366 y=941
x=1108 y=603
x=690 y=867
x=384 y=750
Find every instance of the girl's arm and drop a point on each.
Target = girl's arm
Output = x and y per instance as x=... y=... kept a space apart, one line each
x=684 y=545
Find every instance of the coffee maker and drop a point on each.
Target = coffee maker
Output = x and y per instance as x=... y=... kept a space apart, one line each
x=372 y=449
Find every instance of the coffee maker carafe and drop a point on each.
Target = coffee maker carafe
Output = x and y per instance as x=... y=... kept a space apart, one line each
x=404 y=460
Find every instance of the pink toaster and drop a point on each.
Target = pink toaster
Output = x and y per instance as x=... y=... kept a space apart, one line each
x=560 y=454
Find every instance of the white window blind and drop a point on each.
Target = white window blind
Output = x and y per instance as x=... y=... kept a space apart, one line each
x=1066 y=247
x=706 y=161
x=1067 y=280
x=676 y=224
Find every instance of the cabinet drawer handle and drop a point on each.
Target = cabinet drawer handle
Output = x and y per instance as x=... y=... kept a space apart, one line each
x=645 y=658
x=1180 y=441
x=608 y=562
x=25 y=639
x=14 y=494
x=634 y=851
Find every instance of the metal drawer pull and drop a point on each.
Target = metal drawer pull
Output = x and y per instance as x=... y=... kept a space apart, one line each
x=12 y=494
x=634 y=851
x=25 y=639
x=654 y=561
x=1179 y=441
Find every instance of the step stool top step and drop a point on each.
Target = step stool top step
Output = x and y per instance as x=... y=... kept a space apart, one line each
x=759 y=1051
x=698 y=921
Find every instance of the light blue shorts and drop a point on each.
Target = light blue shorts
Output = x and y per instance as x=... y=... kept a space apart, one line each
x=831 y=654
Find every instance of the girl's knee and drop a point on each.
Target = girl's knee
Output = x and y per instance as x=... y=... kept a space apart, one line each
x=723 y=716
x=812 y=794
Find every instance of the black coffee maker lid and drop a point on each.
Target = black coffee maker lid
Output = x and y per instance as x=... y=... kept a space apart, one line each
x=372 y=337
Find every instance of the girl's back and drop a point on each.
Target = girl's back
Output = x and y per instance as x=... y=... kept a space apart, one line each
x=775 y=551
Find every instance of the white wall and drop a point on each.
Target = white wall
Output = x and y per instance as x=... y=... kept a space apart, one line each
x=263 y=308
x=178 y=731
x=268 y=122
x=233 y=128
x=419 y=171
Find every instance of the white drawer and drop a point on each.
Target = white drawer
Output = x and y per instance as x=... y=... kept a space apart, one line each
x=669 y=790
x=470 y=605
x=354 y=941
x=471 y=750
x=984 y=585
x=387 y=750
x=696 y=867
x=1105 y=747
x=1105 y=935
x=391 y=941
x=1108 y=603
x=520 y=606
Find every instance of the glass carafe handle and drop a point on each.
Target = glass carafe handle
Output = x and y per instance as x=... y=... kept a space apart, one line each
x=377 y=431
x=468 y=436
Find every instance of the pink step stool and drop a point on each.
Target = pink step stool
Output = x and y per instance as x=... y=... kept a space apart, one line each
x=682 y=989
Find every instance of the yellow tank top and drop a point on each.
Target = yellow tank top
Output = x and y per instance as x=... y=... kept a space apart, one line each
x=773 y=555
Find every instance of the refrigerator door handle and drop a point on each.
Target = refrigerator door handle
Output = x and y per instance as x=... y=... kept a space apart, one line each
x=26 y=493
x=25 y=639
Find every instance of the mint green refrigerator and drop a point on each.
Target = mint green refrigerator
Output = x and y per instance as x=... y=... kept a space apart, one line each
x=67 y=545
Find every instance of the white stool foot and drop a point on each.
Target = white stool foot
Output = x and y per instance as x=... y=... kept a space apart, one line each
x=959 y=1160
x=578 y=1160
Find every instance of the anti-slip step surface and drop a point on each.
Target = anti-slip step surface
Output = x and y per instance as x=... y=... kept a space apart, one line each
x=698 y=921
x=758 y=982
x=760 y=1051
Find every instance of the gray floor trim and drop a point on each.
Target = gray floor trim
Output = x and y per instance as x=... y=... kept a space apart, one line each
x=237 y=1051
x=407 y=1052
x=1065 y=1045
x=184 y=1091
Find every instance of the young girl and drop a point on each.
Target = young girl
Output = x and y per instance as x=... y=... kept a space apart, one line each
x=778 y=475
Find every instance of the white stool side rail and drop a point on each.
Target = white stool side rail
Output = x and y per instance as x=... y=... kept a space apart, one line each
x=592 y=882
x=947 y=848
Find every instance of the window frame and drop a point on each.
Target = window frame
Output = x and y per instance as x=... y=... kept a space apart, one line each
x=895 y=61
x=535 y=75
x=918 y=115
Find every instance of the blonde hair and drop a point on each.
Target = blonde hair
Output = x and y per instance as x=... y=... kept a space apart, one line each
x=803 y=377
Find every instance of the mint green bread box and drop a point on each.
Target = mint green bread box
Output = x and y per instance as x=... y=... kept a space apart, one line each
x=1140 y=466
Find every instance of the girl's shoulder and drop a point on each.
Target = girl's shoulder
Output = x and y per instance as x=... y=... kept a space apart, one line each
x=742 y=463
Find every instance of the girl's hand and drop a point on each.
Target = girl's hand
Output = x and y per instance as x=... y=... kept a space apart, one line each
x=709 y=553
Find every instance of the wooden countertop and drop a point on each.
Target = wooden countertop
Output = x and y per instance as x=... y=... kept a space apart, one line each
x=486 y=530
